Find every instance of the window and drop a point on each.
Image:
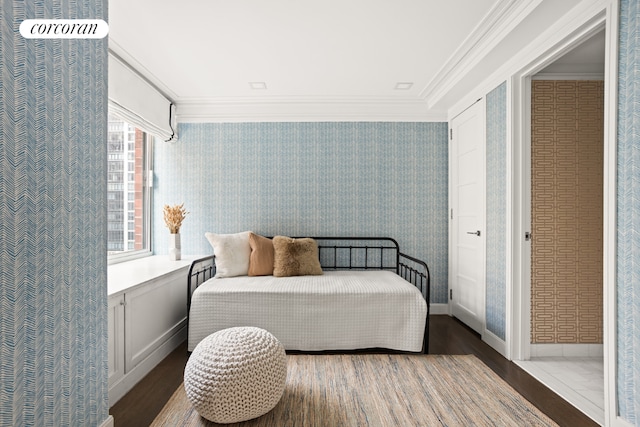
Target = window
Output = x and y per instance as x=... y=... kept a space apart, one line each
x=128 y=193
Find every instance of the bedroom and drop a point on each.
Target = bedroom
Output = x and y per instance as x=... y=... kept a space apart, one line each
x=237 y=140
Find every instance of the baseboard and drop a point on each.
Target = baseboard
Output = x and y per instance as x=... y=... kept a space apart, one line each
x=108 y=422
x=439 y=309
x=566 y=350
x=132 y=377
x=495 y=342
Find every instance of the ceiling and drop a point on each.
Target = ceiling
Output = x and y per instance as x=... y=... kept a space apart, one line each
x=310 y=60
x=586 y=58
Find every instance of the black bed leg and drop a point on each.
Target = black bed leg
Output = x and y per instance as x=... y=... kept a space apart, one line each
x=425 y=345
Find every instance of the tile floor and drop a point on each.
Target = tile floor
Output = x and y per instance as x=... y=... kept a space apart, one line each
x=579 y=380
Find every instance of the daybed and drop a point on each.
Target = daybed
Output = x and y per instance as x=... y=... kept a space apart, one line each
x=367 y=295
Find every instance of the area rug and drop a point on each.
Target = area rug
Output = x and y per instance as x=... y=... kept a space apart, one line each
x=382 y=390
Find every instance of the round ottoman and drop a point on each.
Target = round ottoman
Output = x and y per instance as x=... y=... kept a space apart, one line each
x=236 y=374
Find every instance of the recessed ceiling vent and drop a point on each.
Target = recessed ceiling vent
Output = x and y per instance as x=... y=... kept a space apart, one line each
x=258 y=85
x=403 y=85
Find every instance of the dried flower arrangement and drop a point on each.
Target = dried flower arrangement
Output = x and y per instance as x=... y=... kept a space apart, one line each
x=173 y=217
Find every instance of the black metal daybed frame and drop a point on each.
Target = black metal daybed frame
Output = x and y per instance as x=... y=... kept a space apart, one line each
x=345 y=253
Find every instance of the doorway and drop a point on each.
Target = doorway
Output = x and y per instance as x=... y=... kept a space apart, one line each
x=566 y=211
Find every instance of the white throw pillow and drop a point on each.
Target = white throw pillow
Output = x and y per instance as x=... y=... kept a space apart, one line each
x=232 y=253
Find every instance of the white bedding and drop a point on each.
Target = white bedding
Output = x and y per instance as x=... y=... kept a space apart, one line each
x=340 y=310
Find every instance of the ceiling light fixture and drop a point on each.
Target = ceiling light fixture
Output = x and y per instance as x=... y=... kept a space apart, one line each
x=258 y=85
x=403 y=85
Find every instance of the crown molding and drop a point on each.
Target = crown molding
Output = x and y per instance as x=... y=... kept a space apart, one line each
x=579 y=23
x=129 y=60
x=305 y=109
x=503 y=17
x=301 y=99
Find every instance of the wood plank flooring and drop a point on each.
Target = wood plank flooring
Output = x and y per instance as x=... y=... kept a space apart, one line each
x=140 y=406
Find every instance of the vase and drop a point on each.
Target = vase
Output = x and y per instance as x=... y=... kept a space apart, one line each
x=174 y=247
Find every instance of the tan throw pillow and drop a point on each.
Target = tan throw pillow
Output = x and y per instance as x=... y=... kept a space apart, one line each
x=295 y=257
x=262 y=254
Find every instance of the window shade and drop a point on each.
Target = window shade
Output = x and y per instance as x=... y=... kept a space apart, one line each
x=138 y=102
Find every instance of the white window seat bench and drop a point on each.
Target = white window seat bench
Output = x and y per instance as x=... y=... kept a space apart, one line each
x=147 y=317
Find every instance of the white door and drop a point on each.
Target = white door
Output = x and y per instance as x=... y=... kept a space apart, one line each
x=467 y=216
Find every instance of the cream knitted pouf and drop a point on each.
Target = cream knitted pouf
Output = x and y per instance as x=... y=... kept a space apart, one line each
x=236 y=374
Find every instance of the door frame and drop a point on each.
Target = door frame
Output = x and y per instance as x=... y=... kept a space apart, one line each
x=481 y=105
x=603 y=17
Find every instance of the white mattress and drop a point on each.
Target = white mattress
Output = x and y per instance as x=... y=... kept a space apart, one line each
x=340 y=310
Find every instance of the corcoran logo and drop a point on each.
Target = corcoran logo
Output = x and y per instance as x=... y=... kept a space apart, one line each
x=64 y=28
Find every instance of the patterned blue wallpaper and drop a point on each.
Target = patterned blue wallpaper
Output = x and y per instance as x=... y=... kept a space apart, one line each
x=342 y=179
x=53 y=322
x=496 y=104
x=628 y=269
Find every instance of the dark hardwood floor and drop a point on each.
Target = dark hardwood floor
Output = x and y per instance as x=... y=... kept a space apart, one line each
x=140 y=406
x=146 y=399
